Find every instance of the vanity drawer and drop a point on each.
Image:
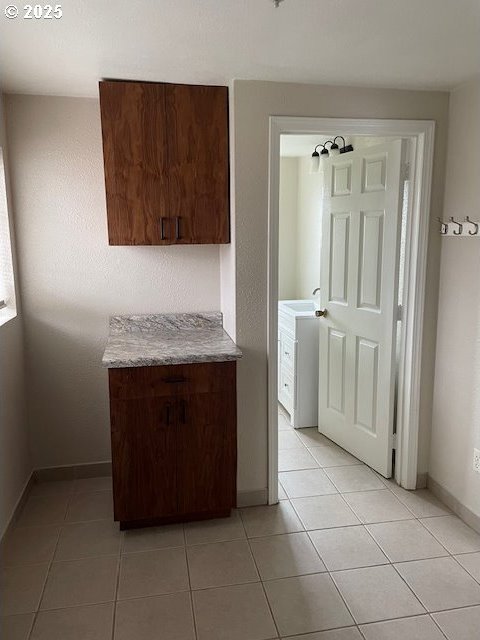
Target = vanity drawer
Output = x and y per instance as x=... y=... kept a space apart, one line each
x=287 y=351
x=287 y=390
x=171 y=380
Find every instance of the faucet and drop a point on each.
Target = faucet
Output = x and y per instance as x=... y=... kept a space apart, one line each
x=315 y=291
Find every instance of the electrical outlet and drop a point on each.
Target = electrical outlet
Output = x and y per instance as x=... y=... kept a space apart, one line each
x=476 y=460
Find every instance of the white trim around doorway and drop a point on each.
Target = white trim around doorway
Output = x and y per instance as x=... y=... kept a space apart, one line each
x=421 y=136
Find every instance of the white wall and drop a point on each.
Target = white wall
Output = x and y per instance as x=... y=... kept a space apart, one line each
x=288 y=222
x=309 y=230
x=227 y=254
x=254 y=102
x=300 y=227
x=71 y=280
x=456 y=404
x=15 y=464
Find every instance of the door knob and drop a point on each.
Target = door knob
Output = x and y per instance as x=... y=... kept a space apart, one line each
x=321 y=313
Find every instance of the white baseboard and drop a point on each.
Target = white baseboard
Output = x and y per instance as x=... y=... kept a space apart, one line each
x=74 y=471
x=422 y=480
x=69 y=472
x=252 y=498
x=93 y=469
x=463 y=512
x=18 y=506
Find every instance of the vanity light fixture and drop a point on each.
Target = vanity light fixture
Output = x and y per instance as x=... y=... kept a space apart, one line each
x=345 y=149
x=315 y=162
x=334 y=150
x=276 y=3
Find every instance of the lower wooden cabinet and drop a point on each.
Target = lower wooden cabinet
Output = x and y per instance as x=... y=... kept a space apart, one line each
x=174 y=444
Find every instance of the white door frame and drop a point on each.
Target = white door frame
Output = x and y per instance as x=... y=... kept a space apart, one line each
x=421 y=135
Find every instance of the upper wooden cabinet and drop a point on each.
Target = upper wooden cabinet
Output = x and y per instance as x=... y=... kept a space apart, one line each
x=165 y=150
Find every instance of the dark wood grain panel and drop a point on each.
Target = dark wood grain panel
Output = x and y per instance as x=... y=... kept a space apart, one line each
x=207 y=452
x=197 y=123
x=173 y=454
x=144 y=463
x=171 y=380
x=135 y=161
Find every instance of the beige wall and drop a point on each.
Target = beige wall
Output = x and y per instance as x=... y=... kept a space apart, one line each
x=300 y=222
x=456 y=404
x=71 y=280
x=309 y=230
x=287 y=230
x=15 y=465
x=254 y=102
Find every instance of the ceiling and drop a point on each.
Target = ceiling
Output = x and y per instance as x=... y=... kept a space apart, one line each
x=426 y=44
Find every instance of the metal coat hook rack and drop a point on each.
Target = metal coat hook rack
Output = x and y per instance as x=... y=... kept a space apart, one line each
x=467 y=228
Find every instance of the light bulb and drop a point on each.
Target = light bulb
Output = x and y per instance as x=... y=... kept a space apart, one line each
x=324 y=155
x=315 y=162
x=334 y=150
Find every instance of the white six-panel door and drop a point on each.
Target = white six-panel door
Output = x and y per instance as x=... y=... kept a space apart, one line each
x=359 y=283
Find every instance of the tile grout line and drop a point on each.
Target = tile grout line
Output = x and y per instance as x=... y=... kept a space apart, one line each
x=117 y=582
x=448 y=554
x=42 y=594
x=410 y=588
x=409 y=617
x=367 y=566
x=192 y=607
x=454 y=557
x=259 y=576
x=389 y=563
x=341 y=595
x=414 y=517
x=438 y=626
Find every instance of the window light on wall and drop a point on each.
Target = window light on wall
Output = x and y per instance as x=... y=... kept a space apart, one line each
x=7 y=286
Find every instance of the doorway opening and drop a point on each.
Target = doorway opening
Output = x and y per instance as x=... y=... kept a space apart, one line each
x=347 y=254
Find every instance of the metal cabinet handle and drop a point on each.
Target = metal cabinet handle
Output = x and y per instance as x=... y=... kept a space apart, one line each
x=177 y=228
x=162 y=228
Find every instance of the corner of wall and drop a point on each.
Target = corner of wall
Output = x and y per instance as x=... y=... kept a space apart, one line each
x=15 y=460
x=456 y=392
x=228 y=292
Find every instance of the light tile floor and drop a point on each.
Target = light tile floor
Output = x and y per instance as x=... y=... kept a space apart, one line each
x=345 y=555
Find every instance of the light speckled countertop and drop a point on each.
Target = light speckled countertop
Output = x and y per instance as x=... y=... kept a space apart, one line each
x=174 y=338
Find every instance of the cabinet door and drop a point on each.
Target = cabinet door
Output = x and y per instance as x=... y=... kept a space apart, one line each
x=207 y=452
x=197 y=124
x=135 y=159
x=144 y=458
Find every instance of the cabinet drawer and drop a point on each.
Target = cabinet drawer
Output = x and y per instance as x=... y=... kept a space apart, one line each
x=287 y=351
x=287 y=390
x=171 y=380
